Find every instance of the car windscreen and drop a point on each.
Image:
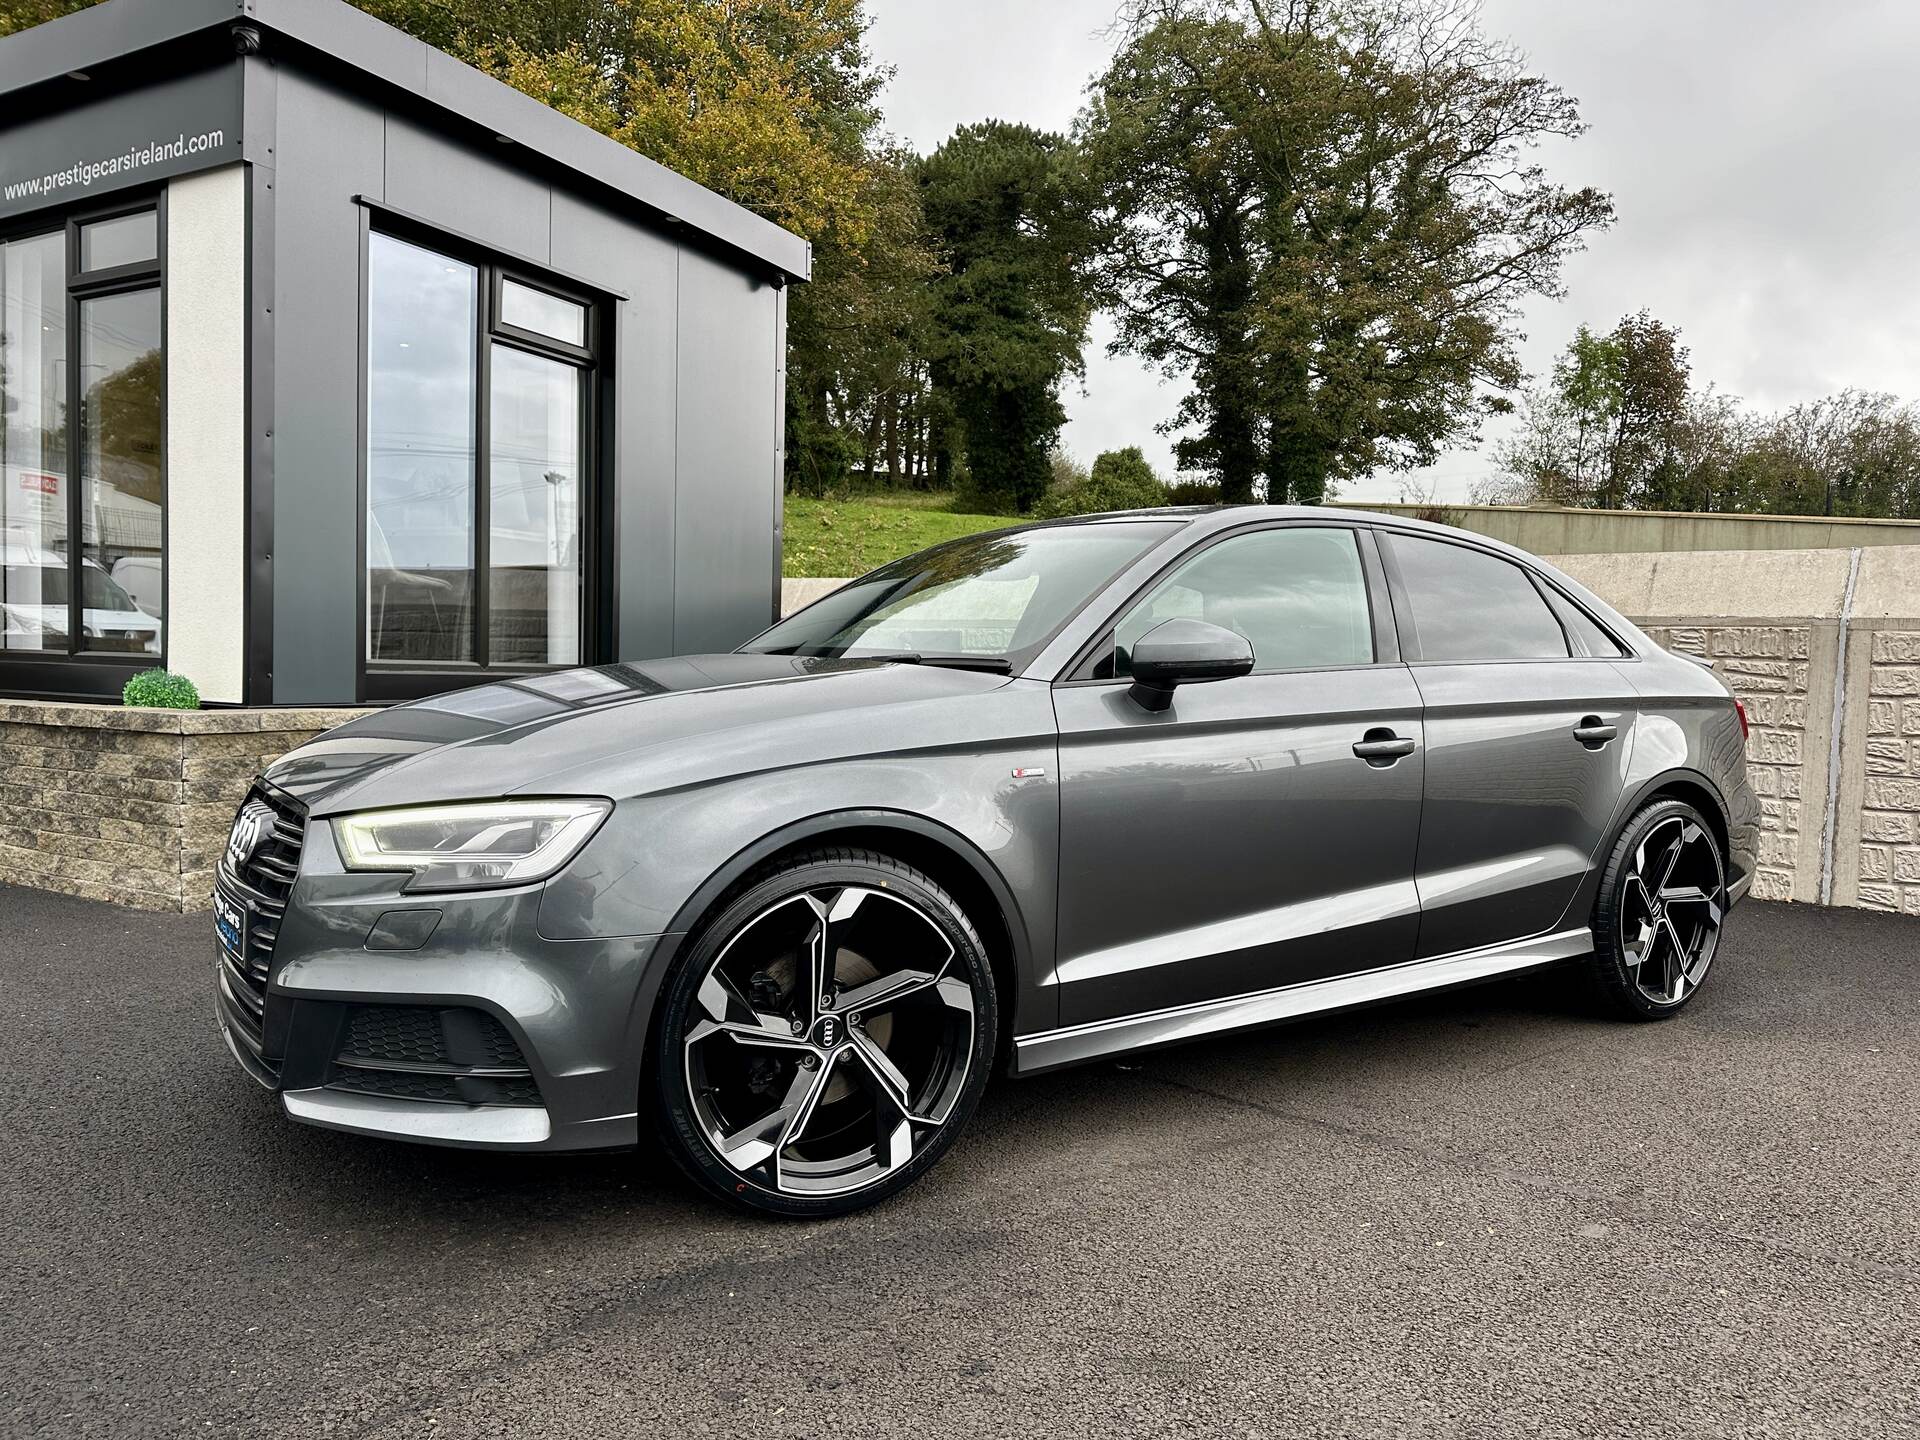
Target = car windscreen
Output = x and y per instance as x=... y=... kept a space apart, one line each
x=1000 y=596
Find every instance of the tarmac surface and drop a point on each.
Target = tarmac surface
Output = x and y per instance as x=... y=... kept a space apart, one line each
x=1480 y=1214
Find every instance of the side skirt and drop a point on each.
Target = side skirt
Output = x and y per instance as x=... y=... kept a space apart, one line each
x=1068 y=1046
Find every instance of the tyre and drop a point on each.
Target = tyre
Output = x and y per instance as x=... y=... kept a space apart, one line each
x=825 y=1038
x=1656 y=920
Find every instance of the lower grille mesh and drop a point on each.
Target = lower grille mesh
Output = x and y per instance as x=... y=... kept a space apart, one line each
x=454 y=1055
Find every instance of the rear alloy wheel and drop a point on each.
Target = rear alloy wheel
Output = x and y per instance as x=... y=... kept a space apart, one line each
x=1657 y=920
x=827 y=1036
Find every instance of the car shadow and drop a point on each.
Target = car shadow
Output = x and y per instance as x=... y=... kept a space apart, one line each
x=347 y=1176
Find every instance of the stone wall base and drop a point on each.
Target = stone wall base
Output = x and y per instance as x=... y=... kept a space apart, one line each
x=129 y=805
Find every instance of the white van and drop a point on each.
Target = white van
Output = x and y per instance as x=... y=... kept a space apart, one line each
x=34 y=596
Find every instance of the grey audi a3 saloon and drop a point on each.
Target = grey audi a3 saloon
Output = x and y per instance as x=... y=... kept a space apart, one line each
x=1025 y=799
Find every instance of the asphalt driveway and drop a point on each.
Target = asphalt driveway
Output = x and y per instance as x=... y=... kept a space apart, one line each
x=1478 y=1214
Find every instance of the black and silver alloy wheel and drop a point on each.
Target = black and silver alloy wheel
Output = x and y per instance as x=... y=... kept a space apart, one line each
x=828 y=1035
x=1657 y=919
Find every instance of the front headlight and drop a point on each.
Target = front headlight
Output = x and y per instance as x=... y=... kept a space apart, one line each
x=470 y=846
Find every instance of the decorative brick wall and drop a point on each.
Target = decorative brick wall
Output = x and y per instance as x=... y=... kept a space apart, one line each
x=1890 y=816
x=131 y=805
x=1768 y=668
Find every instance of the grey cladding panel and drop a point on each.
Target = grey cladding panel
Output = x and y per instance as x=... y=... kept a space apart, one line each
x=468 y=192
x=728 y=490
x=330 y=150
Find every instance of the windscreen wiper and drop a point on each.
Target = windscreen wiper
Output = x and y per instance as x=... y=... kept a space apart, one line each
x=992 y=664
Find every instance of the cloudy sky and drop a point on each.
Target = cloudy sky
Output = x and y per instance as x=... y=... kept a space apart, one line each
x=1760 y=154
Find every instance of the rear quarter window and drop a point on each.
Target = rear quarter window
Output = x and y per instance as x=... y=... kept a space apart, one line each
x=1586 y=634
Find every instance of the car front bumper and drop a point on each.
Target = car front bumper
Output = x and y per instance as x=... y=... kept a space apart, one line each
x=443 y=1019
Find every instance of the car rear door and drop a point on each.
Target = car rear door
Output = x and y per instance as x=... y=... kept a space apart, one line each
x=1234 y=842
x=1528 y=729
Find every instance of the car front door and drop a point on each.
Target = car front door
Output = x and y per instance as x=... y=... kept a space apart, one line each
x=1528 y=731
x=1234 y=842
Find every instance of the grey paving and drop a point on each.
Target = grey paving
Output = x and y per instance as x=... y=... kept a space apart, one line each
x=1483 y=1214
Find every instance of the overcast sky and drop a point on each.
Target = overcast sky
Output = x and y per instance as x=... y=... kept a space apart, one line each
x=1760 y=154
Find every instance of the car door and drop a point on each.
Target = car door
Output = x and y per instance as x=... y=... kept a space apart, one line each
x=1235 y=842
x=1528 y=732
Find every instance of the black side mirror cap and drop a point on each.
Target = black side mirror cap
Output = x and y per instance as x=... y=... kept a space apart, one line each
x=1184 y=652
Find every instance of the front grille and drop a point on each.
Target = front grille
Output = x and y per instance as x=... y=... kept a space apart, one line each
x=260 y=884
x=457 y=1055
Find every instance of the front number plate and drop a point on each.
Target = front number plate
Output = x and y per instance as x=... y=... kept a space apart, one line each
x=230 y=923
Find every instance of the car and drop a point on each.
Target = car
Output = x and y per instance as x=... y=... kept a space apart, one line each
x=140 y=578
x=35 y=591
x=1024 y=800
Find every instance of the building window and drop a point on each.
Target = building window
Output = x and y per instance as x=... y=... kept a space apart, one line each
x=478 y=388
x=82 y=424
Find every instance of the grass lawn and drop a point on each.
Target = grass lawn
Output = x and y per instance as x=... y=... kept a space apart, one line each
x=850 y=537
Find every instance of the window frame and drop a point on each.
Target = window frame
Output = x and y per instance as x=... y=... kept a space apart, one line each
x=75 y=672
x=1408 y=626
x=1558 y=593
x=1386 y=643
x=387 y=682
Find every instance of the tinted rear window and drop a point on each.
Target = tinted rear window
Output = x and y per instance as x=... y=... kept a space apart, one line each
x=1469 y=605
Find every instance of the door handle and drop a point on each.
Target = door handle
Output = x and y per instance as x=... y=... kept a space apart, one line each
x=1593 y=732
x=1381 y=747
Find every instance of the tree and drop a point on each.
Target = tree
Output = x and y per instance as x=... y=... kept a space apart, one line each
x=1326 y=215
x=1610 y=428
x=1119 y=480
x=1855 y=453
x=17 y=15
x=772 y=103
x=1619 y=424
x=1006 y=208
x=1180 y=196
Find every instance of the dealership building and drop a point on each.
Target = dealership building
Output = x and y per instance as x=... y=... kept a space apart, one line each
x=335 y=372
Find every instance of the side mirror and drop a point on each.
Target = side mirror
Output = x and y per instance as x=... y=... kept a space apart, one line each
x=1184 y=652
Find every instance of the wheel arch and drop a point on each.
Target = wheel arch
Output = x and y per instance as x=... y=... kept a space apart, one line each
x=1679 y=783
x=951 y=859
x=1694 y=788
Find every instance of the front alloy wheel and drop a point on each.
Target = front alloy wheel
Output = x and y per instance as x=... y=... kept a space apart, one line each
x=1657 y=920
x=827 y=1036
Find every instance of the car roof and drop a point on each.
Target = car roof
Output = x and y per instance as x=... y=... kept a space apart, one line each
x=1205 y=519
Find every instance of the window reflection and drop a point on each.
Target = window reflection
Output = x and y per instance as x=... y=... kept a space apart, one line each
x=1298 y=596
x=421 y=380
x=534 y=530
x=123 y=240
x=120 y=495
x=33 y=446
x=528 y=309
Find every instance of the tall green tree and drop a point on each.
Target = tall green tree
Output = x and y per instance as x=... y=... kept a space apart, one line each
x=1611 y=428
x=1181 y=196
x=774 y=104
x=1326 y=213
x=1006 y=208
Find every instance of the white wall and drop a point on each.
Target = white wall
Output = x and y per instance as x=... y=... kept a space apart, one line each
x=206 y=431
